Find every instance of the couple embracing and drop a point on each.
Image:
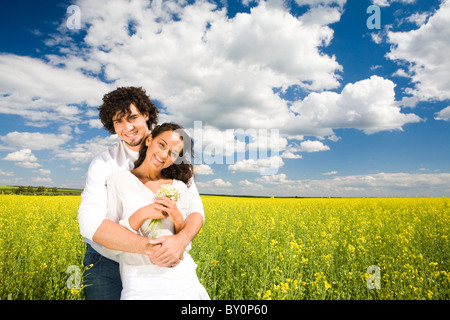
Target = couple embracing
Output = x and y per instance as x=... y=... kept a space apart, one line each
x=138 y=238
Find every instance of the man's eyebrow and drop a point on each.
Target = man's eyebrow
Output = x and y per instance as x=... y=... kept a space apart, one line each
x=119 y=116
x=164 y=140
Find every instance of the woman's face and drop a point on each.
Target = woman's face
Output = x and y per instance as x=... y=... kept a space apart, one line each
x=163 y=150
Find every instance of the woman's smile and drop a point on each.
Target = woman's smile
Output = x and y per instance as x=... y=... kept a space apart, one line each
x=158 y=159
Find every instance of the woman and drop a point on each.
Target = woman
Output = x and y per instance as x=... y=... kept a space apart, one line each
x=162 y=162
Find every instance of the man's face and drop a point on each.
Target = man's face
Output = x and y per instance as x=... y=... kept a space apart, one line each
x=131 y=127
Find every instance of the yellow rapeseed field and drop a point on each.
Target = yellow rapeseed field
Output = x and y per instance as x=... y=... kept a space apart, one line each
x=254 y=248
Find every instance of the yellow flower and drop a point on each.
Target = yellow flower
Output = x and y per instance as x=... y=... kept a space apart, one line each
x=433 y=264
x=351 y=248
x=284 y=287
x=267 y=295
x=215 y=262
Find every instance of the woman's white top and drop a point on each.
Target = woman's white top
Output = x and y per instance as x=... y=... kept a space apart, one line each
x=126 y=194
x=93 y=206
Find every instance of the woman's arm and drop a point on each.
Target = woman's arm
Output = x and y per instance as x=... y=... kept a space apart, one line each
x=151 y=211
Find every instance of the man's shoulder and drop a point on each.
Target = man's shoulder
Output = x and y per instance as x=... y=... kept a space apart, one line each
x=109 y=154
x=180 y=185
x=104 y=162
x=119 y=175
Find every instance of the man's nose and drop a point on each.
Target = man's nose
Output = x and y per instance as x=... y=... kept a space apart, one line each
x=129 y=126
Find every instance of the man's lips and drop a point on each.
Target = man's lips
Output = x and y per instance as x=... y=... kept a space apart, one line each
x=130 y=135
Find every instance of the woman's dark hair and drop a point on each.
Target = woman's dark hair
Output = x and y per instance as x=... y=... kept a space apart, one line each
x=120 y=99
x=182 y=168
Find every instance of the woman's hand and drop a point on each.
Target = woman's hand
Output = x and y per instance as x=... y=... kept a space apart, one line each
x=151 y=211
x=170 y=207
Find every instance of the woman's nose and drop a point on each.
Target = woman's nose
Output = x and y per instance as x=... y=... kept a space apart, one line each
x=165 y=154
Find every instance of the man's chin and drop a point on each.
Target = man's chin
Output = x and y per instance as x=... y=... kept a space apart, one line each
x=133 y=143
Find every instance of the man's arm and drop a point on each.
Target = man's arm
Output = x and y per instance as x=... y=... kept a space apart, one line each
x=114 y=236
x=93 y=210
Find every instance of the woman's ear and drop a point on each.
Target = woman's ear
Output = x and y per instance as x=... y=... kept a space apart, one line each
x=148 y=140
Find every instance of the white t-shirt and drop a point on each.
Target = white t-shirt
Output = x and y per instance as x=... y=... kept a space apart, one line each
x=126 y=194
x=93 y=206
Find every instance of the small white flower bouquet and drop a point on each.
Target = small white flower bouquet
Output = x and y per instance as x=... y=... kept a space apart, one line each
x=166 y=190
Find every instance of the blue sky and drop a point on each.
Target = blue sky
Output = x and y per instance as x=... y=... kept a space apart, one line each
x=323 y=104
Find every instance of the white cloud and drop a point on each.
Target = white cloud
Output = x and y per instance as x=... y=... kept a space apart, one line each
x=211 y=144
x=21 y=156
x=214 y=183
x=242 y=59
x=85 y=152
x=275 y=179
x=248 y=185
x=290 y=154
x=264 y=166
x=330 y=173
x=203 y=169
x=305 y=146
x=418 y=18
x=380 y=184
x=42 y=93
x=95 y=123
x=42 y=180
x=28 y=164
x=320 y=2
x=385 y=184
x=44 y=172
x=313 y=146
x=35 y=140
x=231 y=86
x=6 y=173
x=384 y=3
x=425 y=52
x=444 y=114
x=368 y=105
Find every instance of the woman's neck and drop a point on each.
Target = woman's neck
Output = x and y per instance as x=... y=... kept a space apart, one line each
x=146 y=174
x=152 y=180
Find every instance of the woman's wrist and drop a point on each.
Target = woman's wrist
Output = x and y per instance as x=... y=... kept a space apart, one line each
x=137 y=219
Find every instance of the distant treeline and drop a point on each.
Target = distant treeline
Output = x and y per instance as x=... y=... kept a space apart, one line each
x=30 y=190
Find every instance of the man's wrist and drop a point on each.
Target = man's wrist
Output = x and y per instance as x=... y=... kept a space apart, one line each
x=183 y=235
x=144 y=245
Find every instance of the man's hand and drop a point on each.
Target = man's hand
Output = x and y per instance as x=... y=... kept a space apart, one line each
x=172 y=247
x=170 y=252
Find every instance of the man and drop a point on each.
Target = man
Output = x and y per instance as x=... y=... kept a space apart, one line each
x=130 y=114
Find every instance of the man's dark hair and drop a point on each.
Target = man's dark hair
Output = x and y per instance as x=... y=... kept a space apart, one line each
x=120 y=99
